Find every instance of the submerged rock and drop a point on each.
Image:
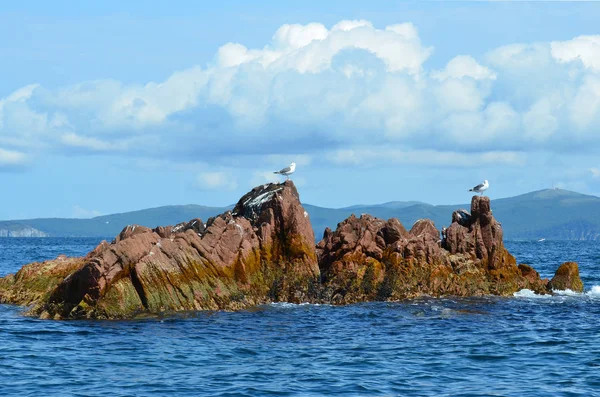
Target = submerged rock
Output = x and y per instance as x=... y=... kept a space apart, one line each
x=263 y=251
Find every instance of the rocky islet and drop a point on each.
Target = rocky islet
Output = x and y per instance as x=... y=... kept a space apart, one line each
x=263 y=251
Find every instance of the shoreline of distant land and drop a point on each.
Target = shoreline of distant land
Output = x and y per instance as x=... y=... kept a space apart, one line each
x=551 y=214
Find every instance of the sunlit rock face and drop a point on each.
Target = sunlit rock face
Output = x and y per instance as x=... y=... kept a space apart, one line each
x=263 y=251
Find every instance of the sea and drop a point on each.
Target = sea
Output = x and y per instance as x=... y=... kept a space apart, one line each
x=524 y=345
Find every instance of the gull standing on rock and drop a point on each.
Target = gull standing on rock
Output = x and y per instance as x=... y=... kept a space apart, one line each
x=287 y=171
x=481 y=187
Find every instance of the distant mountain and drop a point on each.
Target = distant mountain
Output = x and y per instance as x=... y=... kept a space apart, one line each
x=111 y=225
x=390 y=204
x=553 y=214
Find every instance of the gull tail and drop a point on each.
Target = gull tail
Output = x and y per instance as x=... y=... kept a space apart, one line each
x=471 y=190
x=276 y=172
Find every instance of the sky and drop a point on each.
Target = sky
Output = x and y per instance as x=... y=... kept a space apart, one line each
x=108 y=107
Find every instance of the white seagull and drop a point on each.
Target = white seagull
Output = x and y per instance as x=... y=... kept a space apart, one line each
x=287 y=171
x=481 y=187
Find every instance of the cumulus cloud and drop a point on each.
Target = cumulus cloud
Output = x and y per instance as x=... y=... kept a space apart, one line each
x=318 y=89
x=464 y=66
x=216 y=181
x=584 y=49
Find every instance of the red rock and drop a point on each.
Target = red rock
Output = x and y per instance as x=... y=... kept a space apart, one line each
x=131 y=230
x=262 y=250
x=425 y=227
x=470 y=260
x=479 y=235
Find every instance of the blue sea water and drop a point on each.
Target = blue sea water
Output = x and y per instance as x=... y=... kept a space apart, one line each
x=525 y=345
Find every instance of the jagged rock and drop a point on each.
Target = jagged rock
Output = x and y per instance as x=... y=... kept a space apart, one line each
x=470 y=260
x=355 y=240
x=233 y=263
x=131 y=230
x=393 y=231
x=263 y=251
x=425 y=227
x=462 y=217
x=566 y=277
x=529 y=273
x=167 y=231
x=479 y=235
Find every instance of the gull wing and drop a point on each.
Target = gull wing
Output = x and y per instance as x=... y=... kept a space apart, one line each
x=478 y=186
x=283 y=171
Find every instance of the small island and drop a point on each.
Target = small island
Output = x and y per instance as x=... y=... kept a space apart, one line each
x=263 y=251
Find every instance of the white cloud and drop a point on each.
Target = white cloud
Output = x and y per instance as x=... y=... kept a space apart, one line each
x=457 y=96
x=292 y=37
x=10 y=159
x=434 y=158
x=584 y=49
x=318 y=89
x=218 y=180
x=585 y=106
x=465 y=66
x=595 y=172
x=540 y=120
x=349 y=25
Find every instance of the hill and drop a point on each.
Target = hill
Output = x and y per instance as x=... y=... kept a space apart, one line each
x=108 y=225
x=554 y=214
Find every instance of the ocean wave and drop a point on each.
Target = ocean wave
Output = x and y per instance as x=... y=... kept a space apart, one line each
x=566 y=292
x=287 y=305
x=594 y=293
x=527 y=293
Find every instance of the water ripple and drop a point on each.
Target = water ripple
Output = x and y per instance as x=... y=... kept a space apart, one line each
x=526 y=345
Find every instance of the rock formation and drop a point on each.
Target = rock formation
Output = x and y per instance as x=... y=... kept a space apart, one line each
x=367 y=258
x=264 y=251
x=567 y=277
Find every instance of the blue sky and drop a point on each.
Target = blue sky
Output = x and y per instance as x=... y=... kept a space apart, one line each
x=108 y=107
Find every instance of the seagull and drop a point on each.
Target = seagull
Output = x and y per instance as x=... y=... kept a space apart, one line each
x=481 y=187
x=287 y=171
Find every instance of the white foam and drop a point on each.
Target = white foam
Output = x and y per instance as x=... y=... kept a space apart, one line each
x=527 y=293
x=566 y=292
x=594 y=292
x=293 y=305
